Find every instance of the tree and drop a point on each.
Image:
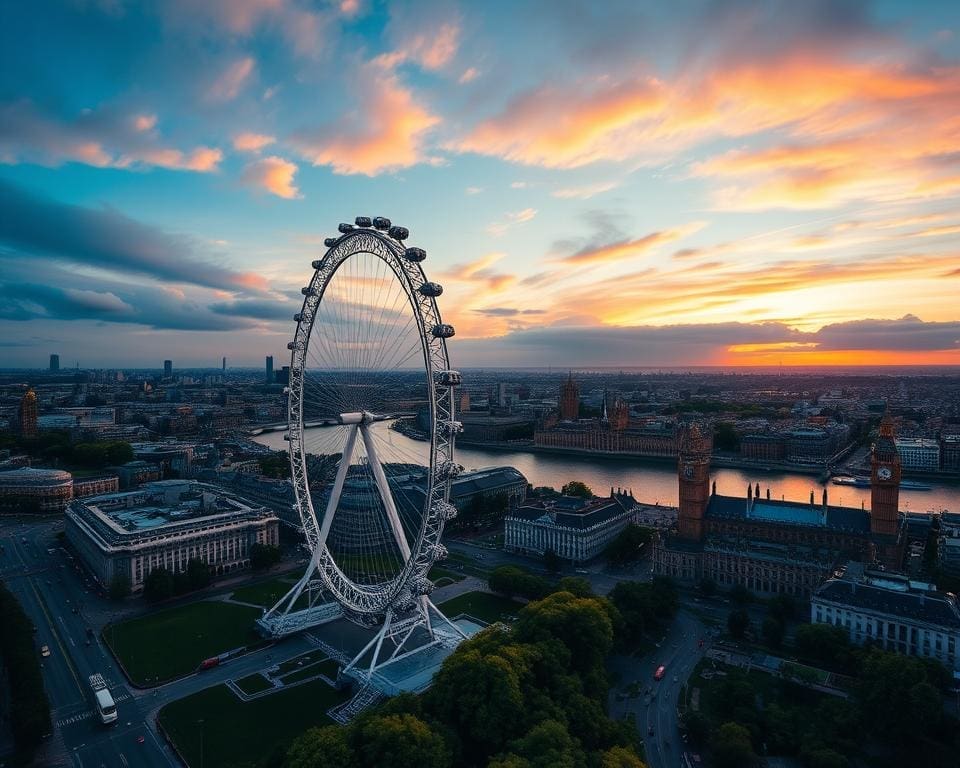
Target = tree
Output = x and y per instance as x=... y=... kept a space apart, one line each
x=158 y=585
x=628 y=545
x=119 y=586
x=782 y=607
x=824 y=644
x=575 y=585
x=772 y=631
x=732 y=747
x=549 y=745
x=551 y=561
x=198 y=573
x=621 y=757
x=741 y=595
x=738 y=622
x=263 y=556
x=398 y=741
x=577 y=488
x=321 y=748
x=725 y=437
x=707 y=586
x=509 y=580
x=698 y=727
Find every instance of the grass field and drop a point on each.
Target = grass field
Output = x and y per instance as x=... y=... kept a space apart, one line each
x=236 y=733
x=254 y=683
x=436 y=573
x=170 y=643
x=266 y=593
x=481 y=605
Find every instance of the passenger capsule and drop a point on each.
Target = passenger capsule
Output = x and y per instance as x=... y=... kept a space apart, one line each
x=316 y=263
x=399 y=233
x=414 y=254
x=430 y=289
x=291 y=345
x=296 y=317
x=345 y=228
x=330 y=241
x=307 y=290
x=443 y=330
x=363 y=221
x=381 y=222
x=450 y=378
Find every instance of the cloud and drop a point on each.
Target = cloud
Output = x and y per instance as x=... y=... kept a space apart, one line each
x=251 y=142
x=38 y=227
x=385 y=132
x=473 y=190
x=258 y=309
x=906 y=333
x=584 y=192
x=469 y=75
x=103 y=138
x=518 y=217
x=273 y=174
x=631 y=248
x=102 y=301
x=229 y=82
x=507 y=311
x=421 y=34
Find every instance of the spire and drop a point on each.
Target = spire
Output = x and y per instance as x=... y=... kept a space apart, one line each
x=811 y=498
x=713 y=492
x=757 y=492
x=768 y=494
x=824 y=497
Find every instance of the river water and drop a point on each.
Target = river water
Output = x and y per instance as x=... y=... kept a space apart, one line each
x=657 y=482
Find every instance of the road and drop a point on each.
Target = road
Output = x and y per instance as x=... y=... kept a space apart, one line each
x=53 y=595
x=655 y=708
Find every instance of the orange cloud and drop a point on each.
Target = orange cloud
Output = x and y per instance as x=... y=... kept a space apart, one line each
x=273 y=174
x=251 y=142
x=385 y=134
x=228 y=83
x=625 y=249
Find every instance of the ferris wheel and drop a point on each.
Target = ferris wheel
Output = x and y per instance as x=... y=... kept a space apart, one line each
x=372 y=429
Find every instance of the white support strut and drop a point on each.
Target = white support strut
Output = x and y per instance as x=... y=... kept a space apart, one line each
x=385 y=493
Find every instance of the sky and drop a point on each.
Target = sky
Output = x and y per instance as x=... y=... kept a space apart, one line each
x=595 y=184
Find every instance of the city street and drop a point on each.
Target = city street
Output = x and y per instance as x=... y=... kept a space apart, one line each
x=679 y=653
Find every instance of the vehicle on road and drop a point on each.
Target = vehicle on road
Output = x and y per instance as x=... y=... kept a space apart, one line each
x=676 y=679
x=106 y=706
x=44 y=650
x=700 y=644
x=661 y=671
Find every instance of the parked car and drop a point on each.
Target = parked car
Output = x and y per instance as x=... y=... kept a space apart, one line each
x=44 y=651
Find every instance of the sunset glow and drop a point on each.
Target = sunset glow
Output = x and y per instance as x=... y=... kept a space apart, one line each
x=775 y=185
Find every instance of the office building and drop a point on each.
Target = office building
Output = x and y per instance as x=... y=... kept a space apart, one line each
x=165 y=524
x=167 y=369
x=26 y=490
x=54 y=362
x=918 y=453
x=27 y=415
x=575 y=529
x=269 y=369
x=891 y=611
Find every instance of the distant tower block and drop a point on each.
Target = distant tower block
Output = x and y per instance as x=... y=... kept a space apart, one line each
x=693 y=468
x=168 y=369
x=27 y=415
x=269 y=369
x=464 y=401
x=885 y=475
x=224 y=365
x=54 y=362
x=569 y=399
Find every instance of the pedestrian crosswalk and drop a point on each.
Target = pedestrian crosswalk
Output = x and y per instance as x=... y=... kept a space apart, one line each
x=77 y=717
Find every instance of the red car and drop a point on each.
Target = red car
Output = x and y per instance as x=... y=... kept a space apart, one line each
x=661 y=671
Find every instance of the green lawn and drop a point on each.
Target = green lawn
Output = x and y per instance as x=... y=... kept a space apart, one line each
x=237 y=733
x=266 y=593
x=436 y=573
x=171 y=643
x=481 y=605
x=254 y=683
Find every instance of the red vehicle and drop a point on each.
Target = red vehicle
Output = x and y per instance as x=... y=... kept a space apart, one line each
x=209 y=663
x=661 y=671
x=701 y=642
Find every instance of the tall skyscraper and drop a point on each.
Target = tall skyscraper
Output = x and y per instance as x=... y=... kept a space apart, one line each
x=269 y=369
x=569 y=399
x=27 y=415
x=54 y=362
x=224 y=367
x=167 y=369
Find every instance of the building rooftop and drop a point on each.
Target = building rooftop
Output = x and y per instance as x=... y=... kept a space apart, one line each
x=572 y=512
x=22 y=476
x=790 y=513
x=916 y=604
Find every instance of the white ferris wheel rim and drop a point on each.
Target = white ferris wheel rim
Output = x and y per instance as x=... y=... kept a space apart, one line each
x=397 y=592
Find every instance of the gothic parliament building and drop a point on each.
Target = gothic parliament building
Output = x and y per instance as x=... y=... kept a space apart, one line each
x=778 y=547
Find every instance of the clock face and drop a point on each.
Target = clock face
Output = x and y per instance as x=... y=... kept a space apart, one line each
x=688 y=472
x=884 y=473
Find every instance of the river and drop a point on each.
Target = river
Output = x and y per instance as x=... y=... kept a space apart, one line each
x=653 y=482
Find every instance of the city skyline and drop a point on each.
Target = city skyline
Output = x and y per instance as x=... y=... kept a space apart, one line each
x=628 y=187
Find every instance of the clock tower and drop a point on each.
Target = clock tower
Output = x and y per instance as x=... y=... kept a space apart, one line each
x=693 y=468
x=885 y=481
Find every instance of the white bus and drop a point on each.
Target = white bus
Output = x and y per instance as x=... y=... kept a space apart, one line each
x=106 y=706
